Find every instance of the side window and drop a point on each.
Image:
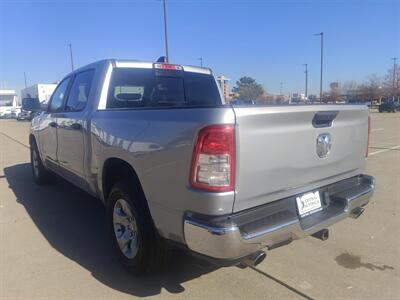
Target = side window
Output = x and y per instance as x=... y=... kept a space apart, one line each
x=80 y=90
x=58 y=95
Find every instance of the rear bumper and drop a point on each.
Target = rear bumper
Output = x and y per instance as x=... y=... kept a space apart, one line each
x=237 y=235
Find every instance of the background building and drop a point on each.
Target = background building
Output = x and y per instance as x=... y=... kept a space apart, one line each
x=224 y=86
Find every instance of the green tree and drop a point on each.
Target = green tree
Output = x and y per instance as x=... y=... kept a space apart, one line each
x=248 y=89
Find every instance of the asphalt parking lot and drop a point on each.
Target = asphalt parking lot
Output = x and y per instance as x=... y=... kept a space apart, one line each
x=53 y=242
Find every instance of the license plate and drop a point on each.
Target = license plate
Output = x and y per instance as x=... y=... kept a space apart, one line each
x=308 y=203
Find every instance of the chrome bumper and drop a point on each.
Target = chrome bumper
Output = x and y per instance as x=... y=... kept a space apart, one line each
x=238 y=235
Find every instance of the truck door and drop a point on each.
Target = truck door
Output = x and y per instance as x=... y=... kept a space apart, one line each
x=48 y=124
x=71 y=127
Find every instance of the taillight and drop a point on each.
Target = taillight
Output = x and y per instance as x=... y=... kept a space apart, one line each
x=369 y=135
x=213 y=161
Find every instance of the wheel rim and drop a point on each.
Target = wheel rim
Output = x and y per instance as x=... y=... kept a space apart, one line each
x=125 y=229
x=35 y=163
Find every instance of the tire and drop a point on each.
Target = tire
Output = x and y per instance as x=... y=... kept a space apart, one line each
x=131 y=229
x=41 y=175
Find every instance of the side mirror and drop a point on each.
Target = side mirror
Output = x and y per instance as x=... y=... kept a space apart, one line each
x=44 y=106
x=31 y=104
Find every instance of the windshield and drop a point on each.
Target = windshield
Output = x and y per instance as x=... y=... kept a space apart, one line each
x=134 y=87
x=6 y=100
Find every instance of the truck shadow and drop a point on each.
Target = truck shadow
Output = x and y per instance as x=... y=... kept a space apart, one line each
x=73 y=223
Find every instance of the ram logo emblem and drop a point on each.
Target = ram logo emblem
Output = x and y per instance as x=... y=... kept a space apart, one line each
x=324 y=144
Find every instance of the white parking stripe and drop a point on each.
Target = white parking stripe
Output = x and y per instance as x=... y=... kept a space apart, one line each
x=384 y=150
x=377 y=129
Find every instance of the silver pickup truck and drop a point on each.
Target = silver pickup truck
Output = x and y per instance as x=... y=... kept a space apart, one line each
x=176 y=165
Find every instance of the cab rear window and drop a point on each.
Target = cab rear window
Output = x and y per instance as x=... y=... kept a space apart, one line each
x=135 y=87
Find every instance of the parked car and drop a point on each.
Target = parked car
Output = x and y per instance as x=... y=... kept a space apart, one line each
x=176 y=166
x=243 y=102
x=389 y=106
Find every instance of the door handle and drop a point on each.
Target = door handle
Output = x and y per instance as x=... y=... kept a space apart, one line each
x=324 y=118
x=53 y=124
x=76 y=126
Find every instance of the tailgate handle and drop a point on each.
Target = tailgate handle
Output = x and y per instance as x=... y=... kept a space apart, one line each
x=324 y=118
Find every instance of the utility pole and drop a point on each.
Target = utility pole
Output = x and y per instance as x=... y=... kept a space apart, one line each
x=72 y=59
x=306 y=89
x=394 y=71
x=394 y=75
x=25 y=80
x=322 y=63
x=166 y=31
x=201 y=61
x=280 y=89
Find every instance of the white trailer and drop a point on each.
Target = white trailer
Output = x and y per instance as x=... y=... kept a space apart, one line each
x=8 y=103
x=40 y=91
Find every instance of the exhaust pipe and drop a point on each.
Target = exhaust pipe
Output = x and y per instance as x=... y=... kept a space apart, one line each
x=254 y=259
x=355 y=213
x=323 y=234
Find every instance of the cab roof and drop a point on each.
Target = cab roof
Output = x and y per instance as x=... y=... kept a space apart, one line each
x=123 y=63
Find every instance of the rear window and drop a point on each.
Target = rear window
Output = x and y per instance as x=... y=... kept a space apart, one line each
x=130 y=88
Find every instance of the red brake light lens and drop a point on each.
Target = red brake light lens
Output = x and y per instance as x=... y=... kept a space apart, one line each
x=168 y=67
x=213 y=161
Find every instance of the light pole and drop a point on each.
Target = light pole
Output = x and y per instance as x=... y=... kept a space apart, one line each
x=72 y=59
x=322 y=63
x=394 y=75
x=280 y=89
x=25 y=80
x=201 y=61
x=166 y=31
x=306 y=72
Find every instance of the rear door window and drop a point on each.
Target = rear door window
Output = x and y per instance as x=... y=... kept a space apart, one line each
x=57 y=99
x=80 y=90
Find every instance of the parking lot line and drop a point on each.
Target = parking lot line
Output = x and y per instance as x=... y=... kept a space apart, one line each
x=11 y=138
x=377 y=129
x=294 y=290
x=384 y=150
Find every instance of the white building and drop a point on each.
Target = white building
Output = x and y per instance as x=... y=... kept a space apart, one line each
x=224 y=86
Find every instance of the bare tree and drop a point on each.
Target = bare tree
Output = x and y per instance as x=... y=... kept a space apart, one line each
x=372 y=89
x=349 y=87
x=392 y=86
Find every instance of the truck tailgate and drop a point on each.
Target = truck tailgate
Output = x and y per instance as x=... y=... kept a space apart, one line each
x=277 y=149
